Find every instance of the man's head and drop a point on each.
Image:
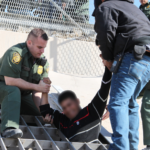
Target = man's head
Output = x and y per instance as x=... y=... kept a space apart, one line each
x=97 y=3
x=69 y=103
x=36 y=42
x=143 y=2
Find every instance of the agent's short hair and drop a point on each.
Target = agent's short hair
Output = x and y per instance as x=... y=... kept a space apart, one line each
x=65 y=95
x=37 y=32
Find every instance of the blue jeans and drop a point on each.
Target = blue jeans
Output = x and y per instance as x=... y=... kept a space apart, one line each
x=126 y=85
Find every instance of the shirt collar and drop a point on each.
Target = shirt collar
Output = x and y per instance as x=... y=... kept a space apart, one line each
x=145 y=5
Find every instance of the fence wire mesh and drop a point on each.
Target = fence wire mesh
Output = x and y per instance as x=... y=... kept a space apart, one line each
x=67 y=20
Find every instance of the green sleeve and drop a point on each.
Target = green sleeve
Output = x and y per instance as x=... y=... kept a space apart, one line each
x=45 y=71
x=11 y=64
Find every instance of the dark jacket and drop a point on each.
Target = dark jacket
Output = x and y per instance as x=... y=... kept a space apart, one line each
x=85 y=127
x=116 y=21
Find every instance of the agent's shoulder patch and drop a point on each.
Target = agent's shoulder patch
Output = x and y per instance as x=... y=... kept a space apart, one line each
x=16 y=58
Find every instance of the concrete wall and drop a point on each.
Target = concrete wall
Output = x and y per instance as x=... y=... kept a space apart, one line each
x=72 y=57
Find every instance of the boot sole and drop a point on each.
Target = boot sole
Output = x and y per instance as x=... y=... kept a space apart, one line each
x=13 y=134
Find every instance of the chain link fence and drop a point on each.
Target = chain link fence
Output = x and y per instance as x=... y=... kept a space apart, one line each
x=67 y=21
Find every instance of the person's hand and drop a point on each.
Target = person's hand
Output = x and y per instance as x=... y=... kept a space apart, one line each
x=106 y=63
x=48 y=119
x=43 y=87
x=148 y=51
x=106 y=115
x=47 y=80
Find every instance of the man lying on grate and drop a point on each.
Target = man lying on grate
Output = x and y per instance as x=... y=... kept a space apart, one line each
x=78 y=125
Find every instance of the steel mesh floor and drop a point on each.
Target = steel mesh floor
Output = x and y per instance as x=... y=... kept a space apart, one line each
x=37 y=136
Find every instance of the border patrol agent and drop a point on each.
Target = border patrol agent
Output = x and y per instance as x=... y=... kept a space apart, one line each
x=145 y=8
x=26 y=71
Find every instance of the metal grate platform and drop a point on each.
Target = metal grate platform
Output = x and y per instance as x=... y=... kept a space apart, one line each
x=37 y=136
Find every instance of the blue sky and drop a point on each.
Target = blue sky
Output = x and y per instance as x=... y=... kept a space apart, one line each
x=136 y=2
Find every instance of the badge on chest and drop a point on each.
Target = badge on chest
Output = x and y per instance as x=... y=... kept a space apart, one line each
x=40 y=70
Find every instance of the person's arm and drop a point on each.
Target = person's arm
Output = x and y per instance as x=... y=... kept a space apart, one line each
x=98 y=104
x=11 y=68
x=49 y=114
x=24 y=85
x=37 y=96
x=106 y=23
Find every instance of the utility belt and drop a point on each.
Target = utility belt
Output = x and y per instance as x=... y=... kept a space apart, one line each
x=139 y=52
x=25 y=93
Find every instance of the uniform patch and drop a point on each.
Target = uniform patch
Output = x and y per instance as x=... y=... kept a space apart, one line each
x=40 y=70
x=16 y=58
x=148 y=6
x=47 y=69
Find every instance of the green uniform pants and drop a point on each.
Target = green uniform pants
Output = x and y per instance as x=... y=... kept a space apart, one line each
x=12 y=104
x=145 y=114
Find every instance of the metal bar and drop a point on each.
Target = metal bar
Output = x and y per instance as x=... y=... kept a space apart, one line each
x=20 y=145
x=87 y=147
x=65 y=139
x=54 y=146
x=37 y=145
x=103 y=145
x=2 y=144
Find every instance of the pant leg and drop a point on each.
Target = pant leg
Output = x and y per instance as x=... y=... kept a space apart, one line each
x=122 y=88
x=131 y=77
x=28 y=107
x=133 y=125
x=10 y=100
x=145 y=114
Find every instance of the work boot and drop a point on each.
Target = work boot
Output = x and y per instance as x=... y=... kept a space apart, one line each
x=12 y=133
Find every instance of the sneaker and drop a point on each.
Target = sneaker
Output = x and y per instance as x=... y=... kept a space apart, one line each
x=12 y=133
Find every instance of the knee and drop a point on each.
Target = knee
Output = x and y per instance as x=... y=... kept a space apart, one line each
x=14 y=94
x=14 y=89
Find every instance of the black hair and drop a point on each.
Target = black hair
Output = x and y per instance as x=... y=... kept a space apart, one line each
x=37 y=32
x=65 y=95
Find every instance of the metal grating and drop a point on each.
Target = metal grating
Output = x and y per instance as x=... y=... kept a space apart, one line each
x=40 y=137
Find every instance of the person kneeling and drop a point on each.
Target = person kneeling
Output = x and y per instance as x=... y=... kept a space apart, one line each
x=78 y=125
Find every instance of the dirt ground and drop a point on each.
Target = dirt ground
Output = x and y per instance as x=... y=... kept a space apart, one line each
x=86 y=88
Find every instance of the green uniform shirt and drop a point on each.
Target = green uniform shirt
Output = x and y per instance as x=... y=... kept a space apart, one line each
x=17 y=62
x=146 y=10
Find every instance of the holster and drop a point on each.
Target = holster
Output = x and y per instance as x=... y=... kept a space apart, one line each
x=139 y=51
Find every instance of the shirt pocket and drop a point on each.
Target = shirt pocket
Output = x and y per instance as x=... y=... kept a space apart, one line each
x=24 y=75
